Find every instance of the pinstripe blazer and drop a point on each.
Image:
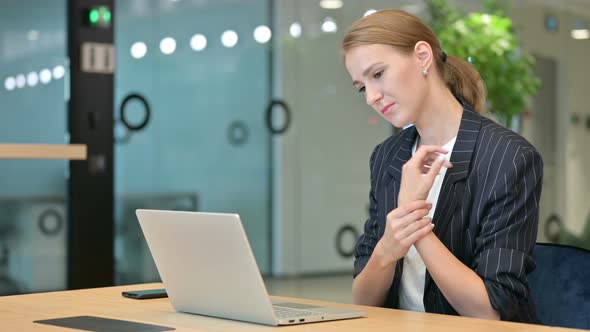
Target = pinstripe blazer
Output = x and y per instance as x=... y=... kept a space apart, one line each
x=487 y=212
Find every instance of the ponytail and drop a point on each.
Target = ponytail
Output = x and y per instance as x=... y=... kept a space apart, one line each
x=463 y=80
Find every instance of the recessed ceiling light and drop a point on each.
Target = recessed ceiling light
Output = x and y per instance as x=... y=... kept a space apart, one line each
x=329 y=25
x=138 y=50
x=295 y=30
x=229 y=38
x=262 y=34
x=198 y=42
x=580 y=34
x=331 y=4
x=168 y=45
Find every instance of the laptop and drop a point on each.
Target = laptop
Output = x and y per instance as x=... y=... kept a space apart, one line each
x=208 y=268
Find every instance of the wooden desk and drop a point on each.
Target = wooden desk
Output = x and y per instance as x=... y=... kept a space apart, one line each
x=17 y=313
x=43 y=151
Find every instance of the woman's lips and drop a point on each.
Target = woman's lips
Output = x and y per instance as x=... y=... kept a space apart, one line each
x=387 y=109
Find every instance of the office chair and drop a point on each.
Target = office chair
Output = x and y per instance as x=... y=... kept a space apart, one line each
x=560 y=285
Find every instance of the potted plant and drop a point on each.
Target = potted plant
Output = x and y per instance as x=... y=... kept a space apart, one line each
x=487 y=40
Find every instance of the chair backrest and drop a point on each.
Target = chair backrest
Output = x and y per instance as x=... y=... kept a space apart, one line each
x=560 y=285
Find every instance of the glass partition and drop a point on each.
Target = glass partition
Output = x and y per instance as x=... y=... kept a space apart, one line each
x=202 y=69
x=33 y=74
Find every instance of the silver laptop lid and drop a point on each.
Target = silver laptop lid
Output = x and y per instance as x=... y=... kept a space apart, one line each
x=206 y=264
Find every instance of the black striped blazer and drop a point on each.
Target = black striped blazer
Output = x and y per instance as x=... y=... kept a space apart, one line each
x=487 y=212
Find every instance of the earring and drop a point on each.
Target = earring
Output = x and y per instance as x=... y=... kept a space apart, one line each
x=425 y=72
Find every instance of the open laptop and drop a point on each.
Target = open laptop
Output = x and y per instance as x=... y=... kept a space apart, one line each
x=208 y=268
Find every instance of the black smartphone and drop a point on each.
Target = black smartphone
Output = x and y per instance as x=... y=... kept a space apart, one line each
x=145 y=294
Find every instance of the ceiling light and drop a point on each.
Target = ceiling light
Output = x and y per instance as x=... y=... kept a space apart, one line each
x=138 y=50
x=20 y=81
x=168 y=45
x=331 y=4
x=45 y=76
x=295 y=30
x=32 y=79
x=580 y=34
x=329 y=25
x=58 y=72
x=262 y=34
x=229 y=38
x=198 y=42
x=10 y=83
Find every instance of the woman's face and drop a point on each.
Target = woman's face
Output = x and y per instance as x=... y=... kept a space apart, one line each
x=391 y=82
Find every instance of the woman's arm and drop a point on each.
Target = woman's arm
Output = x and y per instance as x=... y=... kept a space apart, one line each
x=372 y=285
x=460 y=285
x=404 y=226
x=494 y=286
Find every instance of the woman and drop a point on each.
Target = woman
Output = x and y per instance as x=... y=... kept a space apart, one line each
x=454 y=198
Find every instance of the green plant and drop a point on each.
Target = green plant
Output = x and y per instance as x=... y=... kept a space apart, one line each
x=487 y=41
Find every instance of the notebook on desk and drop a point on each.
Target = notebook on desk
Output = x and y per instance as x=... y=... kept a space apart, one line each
x=208 y=268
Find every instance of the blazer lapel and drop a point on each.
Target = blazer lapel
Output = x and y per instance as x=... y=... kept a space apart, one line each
x=453 y=187
x=400 y=153
x=461 y=160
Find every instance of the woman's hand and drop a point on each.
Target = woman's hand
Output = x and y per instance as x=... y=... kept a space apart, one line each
x=404 y=226
x=419 y=172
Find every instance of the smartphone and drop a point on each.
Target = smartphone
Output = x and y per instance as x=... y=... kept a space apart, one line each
x=145 y=294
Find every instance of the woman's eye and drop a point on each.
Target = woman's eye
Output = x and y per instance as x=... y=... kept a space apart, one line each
x=362 y=89
x=378 y=74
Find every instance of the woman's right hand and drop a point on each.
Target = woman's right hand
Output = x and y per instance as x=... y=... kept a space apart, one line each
x=404 y=226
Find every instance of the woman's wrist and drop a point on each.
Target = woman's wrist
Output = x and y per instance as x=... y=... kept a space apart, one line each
x=383 y=258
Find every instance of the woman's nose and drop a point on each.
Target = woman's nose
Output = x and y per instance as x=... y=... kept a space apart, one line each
x=372 y=96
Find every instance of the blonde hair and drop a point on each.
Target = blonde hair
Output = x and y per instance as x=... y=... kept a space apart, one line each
x=402 y=31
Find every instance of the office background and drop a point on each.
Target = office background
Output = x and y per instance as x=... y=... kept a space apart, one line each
x=210 y=71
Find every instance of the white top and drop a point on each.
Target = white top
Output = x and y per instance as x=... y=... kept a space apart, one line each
x=414 y=274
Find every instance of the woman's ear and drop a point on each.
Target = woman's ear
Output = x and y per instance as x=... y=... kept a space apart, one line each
x=423 y=53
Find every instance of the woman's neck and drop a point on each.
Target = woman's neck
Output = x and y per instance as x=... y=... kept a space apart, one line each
x=440 y=118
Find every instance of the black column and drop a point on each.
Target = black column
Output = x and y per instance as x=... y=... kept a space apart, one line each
x=90 y=122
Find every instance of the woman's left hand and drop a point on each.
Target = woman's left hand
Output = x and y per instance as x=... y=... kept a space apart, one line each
x=419 y=172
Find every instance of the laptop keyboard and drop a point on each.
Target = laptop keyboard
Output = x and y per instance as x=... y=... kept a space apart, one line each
x=282 y=312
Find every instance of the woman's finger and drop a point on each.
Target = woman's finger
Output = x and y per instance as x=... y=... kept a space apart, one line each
x=431 y=158
x=425 y=150
x=410 y=218
x=417 y=235
x=409 y=207
x=414 y=226
x=435 y=169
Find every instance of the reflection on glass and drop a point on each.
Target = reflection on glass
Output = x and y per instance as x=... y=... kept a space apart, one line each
x=138 y=50
x=262 y=34
x=10 y=83
x=198 y=42
x=168 y=45
x=45 y=76
x=32 y=79
x=229 y=38
x=33 y=204
x=184 y=158
x=20 y=81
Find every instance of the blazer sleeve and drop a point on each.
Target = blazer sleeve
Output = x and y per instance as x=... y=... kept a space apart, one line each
x=367 y=241
x=508 y=233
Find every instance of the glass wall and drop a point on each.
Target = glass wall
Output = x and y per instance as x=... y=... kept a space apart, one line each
x=203 y=69
x=323 y=163
x=33 y=74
